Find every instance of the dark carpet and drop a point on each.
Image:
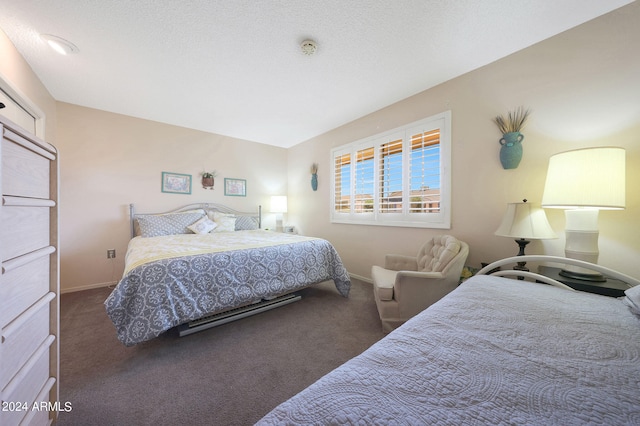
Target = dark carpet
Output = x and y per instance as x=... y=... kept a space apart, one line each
x=233 y=374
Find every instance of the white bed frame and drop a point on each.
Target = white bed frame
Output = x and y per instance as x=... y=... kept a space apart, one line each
x=493 y=269
x=232 y=314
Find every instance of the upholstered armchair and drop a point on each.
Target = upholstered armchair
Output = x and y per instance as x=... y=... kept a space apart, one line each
x=407 y=285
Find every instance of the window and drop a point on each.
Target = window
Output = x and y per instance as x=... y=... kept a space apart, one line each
x=397 y=178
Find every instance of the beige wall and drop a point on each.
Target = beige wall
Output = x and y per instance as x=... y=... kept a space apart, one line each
x=17 y=76
x=583 y=88
x=109 y=161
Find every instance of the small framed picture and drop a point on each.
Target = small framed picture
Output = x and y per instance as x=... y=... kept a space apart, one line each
x=235 y=187
x=176 y=183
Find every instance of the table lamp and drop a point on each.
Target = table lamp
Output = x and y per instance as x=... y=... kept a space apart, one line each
x=524 y=222
x=583 y=182
x=279 y=206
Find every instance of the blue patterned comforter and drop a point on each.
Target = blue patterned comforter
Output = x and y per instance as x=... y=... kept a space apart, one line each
x=494 y=351
x=204 y=275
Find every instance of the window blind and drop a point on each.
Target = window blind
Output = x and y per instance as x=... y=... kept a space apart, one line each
x=397 y=178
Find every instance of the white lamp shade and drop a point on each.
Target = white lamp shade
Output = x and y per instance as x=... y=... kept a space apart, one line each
x=590 y=177
x=278 y=204
x=525 y=220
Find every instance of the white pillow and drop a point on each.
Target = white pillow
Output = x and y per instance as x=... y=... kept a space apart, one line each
x=203 y=226
x=225 y=224
x=632 y=298
x=226 y=221
x=215 y=215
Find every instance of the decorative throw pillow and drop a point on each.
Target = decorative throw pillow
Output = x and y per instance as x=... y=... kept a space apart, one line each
x=225 y=224
x=246 y=223
x=632 y=299
x=203 y=226
x=214 y=215
x=167 y=224
x=226 y=221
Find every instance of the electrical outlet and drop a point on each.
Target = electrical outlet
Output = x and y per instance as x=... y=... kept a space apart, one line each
x=111 y=254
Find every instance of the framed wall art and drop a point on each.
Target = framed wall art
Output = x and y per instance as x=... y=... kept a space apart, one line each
x=235 y=187
x=176 y=183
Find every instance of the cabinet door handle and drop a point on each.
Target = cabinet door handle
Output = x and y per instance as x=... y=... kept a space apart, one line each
x=8 y=200
x=26 y=368
x=39 y=147
x=26 y=258
x=26 y=315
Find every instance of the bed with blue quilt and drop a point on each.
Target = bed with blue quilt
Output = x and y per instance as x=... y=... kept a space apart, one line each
x=495 y=351
x=192 y=265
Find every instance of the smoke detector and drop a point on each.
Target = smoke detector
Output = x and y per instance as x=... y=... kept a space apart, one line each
x=309 y=47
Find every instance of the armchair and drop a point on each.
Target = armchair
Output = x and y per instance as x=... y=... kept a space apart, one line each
x=407 y=285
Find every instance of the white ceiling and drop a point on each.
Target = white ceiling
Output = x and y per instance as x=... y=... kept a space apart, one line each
x=235 y=67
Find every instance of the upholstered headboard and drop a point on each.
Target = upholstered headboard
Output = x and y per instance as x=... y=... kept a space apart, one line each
x=208 y=209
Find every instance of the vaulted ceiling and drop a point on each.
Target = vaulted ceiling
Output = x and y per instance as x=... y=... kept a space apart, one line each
x=236 y=67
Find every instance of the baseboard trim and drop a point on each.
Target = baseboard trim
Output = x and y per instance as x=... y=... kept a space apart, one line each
x=87 y=287
x=361 y=278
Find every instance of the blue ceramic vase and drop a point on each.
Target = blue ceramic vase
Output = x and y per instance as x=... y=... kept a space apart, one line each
x=314 y=181
x=511 y=149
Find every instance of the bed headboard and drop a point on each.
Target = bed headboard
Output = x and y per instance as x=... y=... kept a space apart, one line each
x=207 y=207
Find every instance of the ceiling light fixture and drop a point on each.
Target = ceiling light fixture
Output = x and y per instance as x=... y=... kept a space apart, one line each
x=60 y=45
x=309 y=47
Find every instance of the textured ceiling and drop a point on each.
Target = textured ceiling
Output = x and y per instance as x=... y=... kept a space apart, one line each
x=236 y=68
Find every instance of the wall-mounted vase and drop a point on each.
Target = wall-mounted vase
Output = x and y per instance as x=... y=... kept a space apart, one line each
x=314 y=181
x=511 y=150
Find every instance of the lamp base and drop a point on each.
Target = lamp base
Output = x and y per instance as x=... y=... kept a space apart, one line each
x=582 y=243
x=521 y=266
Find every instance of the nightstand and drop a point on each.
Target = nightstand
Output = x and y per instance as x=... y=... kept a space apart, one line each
x=612 y=287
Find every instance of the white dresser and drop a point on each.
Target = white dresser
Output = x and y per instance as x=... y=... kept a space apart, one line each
x=29 y=284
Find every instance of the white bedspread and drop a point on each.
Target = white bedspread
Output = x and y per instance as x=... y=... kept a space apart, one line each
x=495 y=351
x=144 y=250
